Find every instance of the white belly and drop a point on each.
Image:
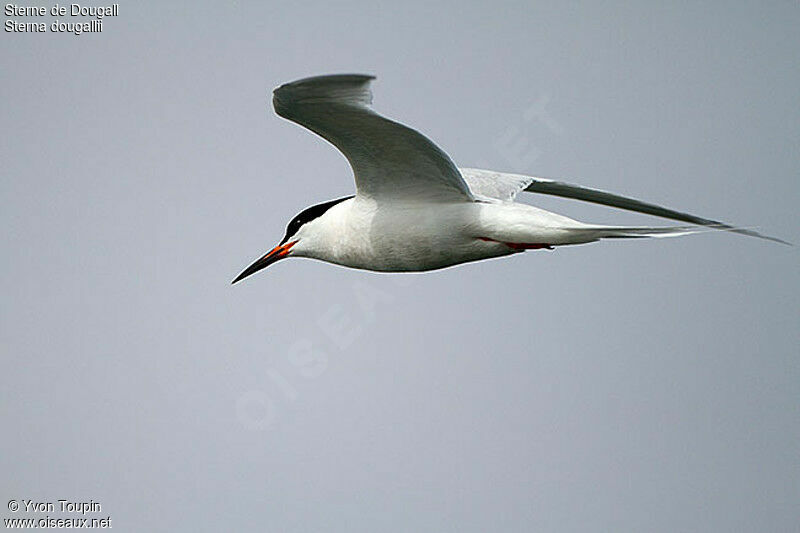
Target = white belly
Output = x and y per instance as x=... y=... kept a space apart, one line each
x=418 y=237
x=405 y=237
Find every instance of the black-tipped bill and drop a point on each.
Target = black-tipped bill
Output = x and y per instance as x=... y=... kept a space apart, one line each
x=279 y=252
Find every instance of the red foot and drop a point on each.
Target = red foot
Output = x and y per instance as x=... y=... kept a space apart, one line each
x=522 y=245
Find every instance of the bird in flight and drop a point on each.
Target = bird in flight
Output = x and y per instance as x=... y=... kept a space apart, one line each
x=414 y=210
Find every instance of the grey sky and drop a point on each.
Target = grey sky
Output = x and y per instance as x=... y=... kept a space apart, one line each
x=622 y=386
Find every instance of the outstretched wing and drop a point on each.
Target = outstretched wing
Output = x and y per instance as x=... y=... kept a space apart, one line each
x=389 y=160
x=505 y=187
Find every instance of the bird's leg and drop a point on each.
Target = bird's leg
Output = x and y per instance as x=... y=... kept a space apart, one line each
x=522 y=245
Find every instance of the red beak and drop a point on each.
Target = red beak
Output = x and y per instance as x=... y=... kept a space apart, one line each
x=279 y=252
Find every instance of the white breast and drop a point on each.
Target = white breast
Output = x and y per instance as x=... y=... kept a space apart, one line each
x=397 y=237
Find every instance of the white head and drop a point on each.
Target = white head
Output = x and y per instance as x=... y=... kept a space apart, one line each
x=298 y=240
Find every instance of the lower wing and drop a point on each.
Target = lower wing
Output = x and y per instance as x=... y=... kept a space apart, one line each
x=503 y=186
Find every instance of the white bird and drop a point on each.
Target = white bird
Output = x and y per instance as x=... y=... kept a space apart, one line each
x=413 y=209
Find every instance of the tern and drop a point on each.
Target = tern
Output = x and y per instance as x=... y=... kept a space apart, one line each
x=414 y=210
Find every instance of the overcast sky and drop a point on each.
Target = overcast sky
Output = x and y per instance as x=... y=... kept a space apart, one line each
x=620 y=386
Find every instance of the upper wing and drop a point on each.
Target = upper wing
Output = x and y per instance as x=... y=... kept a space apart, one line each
x=389 y=160
x=507 y=186
x=494 y=185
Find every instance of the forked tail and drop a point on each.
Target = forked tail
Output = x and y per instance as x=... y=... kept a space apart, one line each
x=590 y=233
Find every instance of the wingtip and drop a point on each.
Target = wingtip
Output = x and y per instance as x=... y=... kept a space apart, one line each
x=754 y=233
x=345 y=89
x=351 y=78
